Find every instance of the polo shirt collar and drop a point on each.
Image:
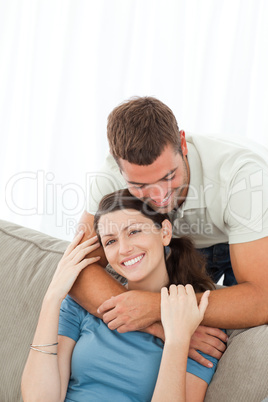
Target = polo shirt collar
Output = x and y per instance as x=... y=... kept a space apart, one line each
x=196 y=197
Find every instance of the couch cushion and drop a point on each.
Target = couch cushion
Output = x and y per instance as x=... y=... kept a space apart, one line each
x=27 y=262
x=241 y=375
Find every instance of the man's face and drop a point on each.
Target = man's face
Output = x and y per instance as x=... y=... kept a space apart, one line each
x=163 y=184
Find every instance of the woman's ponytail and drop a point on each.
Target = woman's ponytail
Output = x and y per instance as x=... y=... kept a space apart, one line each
x=187 y=265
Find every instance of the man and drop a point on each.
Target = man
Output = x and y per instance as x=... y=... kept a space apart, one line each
x=214 y=190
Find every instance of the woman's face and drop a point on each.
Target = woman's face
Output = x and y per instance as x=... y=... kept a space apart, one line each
x=133 y=246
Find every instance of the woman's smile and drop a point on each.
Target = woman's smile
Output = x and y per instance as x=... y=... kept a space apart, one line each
x=133 y=261
x=133 y=245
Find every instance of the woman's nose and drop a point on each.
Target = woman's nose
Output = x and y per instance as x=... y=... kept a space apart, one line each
x=125 y=246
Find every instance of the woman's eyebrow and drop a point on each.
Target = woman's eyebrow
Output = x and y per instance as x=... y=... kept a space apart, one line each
x=124 y=229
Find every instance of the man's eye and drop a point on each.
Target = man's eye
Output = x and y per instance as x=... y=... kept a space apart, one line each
x=138 y=187
x=169 y=178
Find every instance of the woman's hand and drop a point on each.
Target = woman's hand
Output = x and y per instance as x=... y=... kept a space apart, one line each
x=180 y=314
x=71 y=264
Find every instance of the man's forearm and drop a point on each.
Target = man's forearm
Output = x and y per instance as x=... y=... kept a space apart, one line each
x=93 y=286
x=240 y=306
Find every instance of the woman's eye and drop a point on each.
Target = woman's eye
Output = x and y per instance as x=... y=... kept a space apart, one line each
x=134 y=231
x=109 y=242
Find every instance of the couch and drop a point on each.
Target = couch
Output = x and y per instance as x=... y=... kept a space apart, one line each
x=27 y=261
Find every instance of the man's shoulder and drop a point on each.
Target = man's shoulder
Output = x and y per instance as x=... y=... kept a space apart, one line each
x=237 y=143
x=215 y=153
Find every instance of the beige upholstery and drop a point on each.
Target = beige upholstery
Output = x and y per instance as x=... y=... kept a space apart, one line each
x=242 y=373
x=27 y=262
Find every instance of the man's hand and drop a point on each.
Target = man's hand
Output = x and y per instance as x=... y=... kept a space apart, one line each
x=208 y=340
x=137 y=310
x=131 y=311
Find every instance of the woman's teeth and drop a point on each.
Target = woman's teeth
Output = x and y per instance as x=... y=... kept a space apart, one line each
x=133 y=261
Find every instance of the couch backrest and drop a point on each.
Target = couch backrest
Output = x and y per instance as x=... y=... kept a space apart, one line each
x=28 y=260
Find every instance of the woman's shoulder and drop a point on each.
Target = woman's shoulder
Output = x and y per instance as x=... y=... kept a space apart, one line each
x=72 y=308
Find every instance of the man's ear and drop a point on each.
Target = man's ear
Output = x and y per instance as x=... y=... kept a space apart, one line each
x=166 y=232
x=183 y=143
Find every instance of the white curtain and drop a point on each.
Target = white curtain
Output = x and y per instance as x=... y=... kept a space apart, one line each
x=65 y=64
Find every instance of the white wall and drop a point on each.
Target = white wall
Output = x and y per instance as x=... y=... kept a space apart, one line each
x=65 y=64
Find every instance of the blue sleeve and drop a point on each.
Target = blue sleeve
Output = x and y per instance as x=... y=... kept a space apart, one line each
x=71 y=316
x=205 y=373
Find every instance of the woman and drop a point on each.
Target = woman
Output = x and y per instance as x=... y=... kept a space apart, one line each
x=105 y=365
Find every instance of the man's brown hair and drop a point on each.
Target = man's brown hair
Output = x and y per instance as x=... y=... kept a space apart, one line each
x=139 y=129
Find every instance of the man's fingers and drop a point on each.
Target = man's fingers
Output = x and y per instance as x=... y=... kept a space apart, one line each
x=216 y=332
x=116 y=324
x=209 y=342
x=126 y=328
x=107 y=305
x=109 y=316
x=193 y=354
x=213 y=346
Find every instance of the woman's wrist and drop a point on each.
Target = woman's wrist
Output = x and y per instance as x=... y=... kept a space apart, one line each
x=52 y=299
x=180 y=341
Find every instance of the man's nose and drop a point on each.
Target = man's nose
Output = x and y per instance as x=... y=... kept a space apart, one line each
x=158 y=192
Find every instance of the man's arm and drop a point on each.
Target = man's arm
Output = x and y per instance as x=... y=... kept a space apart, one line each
x=240 y=306
x=246 y=304
x=94 y=285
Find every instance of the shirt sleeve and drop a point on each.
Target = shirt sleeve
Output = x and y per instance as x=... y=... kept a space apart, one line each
x=71 y=316
x=205 y=373
x=246 y=213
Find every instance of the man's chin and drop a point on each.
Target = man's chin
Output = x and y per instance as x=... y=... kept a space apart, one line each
x=173 y=204
x=159 y=208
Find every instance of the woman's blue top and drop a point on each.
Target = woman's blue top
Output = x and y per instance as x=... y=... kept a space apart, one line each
x=109 y=366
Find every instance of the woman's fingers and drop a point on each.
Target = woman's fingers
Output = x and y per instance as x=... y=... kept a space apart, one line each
x=164 y=293
x=75 y=246
x=76 y=253
x=81 y=252
x=190 y=290
x=204 y=302
x=174 y=290
x=87 y=261
x=74 y=243
x=83 y=248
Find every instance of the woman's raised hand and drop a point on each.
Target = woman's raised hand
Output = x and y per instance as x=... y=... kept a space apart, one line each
x=180 y=314
x=71 y=264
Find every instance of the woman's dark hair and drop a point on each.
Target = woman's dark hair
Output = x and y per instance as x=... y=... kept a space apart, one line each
x=184 y=263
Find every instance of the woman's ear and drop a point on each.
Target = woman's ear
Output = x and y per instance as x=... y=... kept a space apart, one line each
x=166 y=232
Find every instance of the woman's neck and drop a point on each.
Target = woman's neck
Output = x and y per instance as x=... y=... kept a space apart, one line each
x=153 y=282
